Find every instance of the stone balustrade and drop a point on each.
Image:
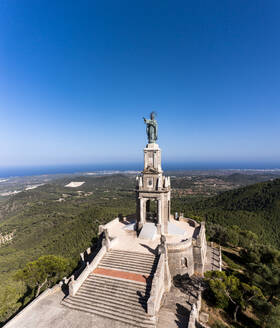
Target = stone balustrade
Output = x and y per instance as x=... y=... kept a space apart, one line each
x=173 y=247
x=194 y=314
x=75 y=284
x=158 y=287
x=108 y=225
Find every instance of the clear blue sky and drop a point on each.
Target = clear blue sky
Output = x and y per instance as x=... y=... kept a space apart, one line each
x=76 y=78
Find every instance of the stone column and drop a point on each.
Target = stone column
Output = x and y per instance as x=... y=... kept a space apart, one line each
x=159 y=226
x=140 y=214
x=141 y=210
x=159 y=211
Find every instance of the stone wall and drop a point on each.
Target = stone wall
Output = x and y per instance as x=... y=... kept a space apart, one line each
x=161 y=282
x=157 y=289
x=189 y=256
x=199 y=249
x=180 y=258
x=194 y=314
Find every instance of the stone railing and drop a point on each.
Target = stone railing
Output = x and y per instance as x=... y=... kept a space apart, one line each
x=199 y=248
x=74 y=285
x=194 y=314
x=108 y=225
x=158 y=288
x=200 y=240
x=176 y=247
x=107 y=244
x=191 y=222
x=193 y=317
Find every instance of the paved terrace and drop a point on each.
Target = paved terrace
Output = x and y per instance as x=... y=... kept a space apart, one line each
x=128 y=241
x=49 y=312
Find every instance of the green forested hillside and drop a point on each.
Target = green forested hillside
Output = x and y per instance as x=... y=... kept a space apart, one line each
x=255 y=208
x=56 y=220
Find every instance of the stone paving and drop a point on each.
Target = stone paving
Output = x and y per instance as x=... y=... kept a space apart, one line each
x=128 y=241
x=175 y=310
x=50 y=313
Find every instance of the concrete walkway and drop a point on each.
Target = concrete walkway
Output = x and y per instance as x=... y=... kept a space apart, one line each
x=175 y=310
x=50 y=313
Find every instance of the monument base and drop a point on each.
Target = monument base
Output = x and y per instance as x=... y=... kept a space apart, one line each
x=149 y=231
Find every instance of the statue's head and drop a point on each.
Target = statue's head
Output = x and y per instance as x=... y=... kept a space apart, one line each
x=152 y=115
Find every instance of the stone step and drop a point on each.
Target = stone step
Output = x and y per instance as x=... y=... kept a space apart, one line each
x=121 y=267
x=129 y=258
x=140 y=317
x=133 y=254
x=124 y=283
x=118 y=299
x=128 y=318
x=127 y=263
x=115 y=293
x=108 y=279
x=100 y=295
x=115 y=303
x=112 y=291
x=91 y=283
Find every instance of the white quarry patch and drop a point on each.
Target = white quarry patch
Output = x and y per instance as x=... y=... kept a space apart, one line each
x=34 y=186
x=60 y=200
x=75 y=184
x=8 y=193
x=6 y=238
x=3 y=180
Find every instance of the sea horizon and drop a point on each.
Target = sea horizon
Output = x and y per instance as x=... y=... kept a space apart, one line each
x=21 y=171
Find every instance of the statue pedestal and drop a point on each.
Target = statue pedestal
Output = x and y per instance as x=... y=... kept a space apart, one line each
x=152 y=158
x=153 y=189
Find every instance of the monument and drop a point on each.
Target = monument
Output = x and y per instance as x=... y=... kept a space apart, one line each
x=152 y=186
x=125 y=280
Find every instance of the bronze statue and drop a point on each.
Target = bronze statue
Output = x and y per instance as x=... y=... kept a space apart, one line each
x=151 y=128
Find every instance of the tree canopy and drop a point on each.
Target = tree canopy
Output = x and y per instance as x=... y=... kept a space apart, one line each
x=43 y=272
x=226 y=289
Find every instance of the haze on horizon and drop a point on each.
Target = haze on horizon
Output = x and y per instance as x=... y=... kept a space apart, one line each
x=76 y=78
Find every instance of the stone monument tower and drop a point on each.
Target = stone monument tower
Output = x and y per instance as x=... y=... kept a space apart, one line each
x=153 y=189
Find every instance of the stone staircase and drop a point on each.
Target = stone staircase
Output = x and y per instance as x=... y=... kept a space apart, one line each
x=117 y=298
x=129 y=261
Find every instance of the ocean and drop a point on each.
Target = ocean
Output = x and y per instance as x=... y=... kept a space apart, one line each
x=6 y=172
